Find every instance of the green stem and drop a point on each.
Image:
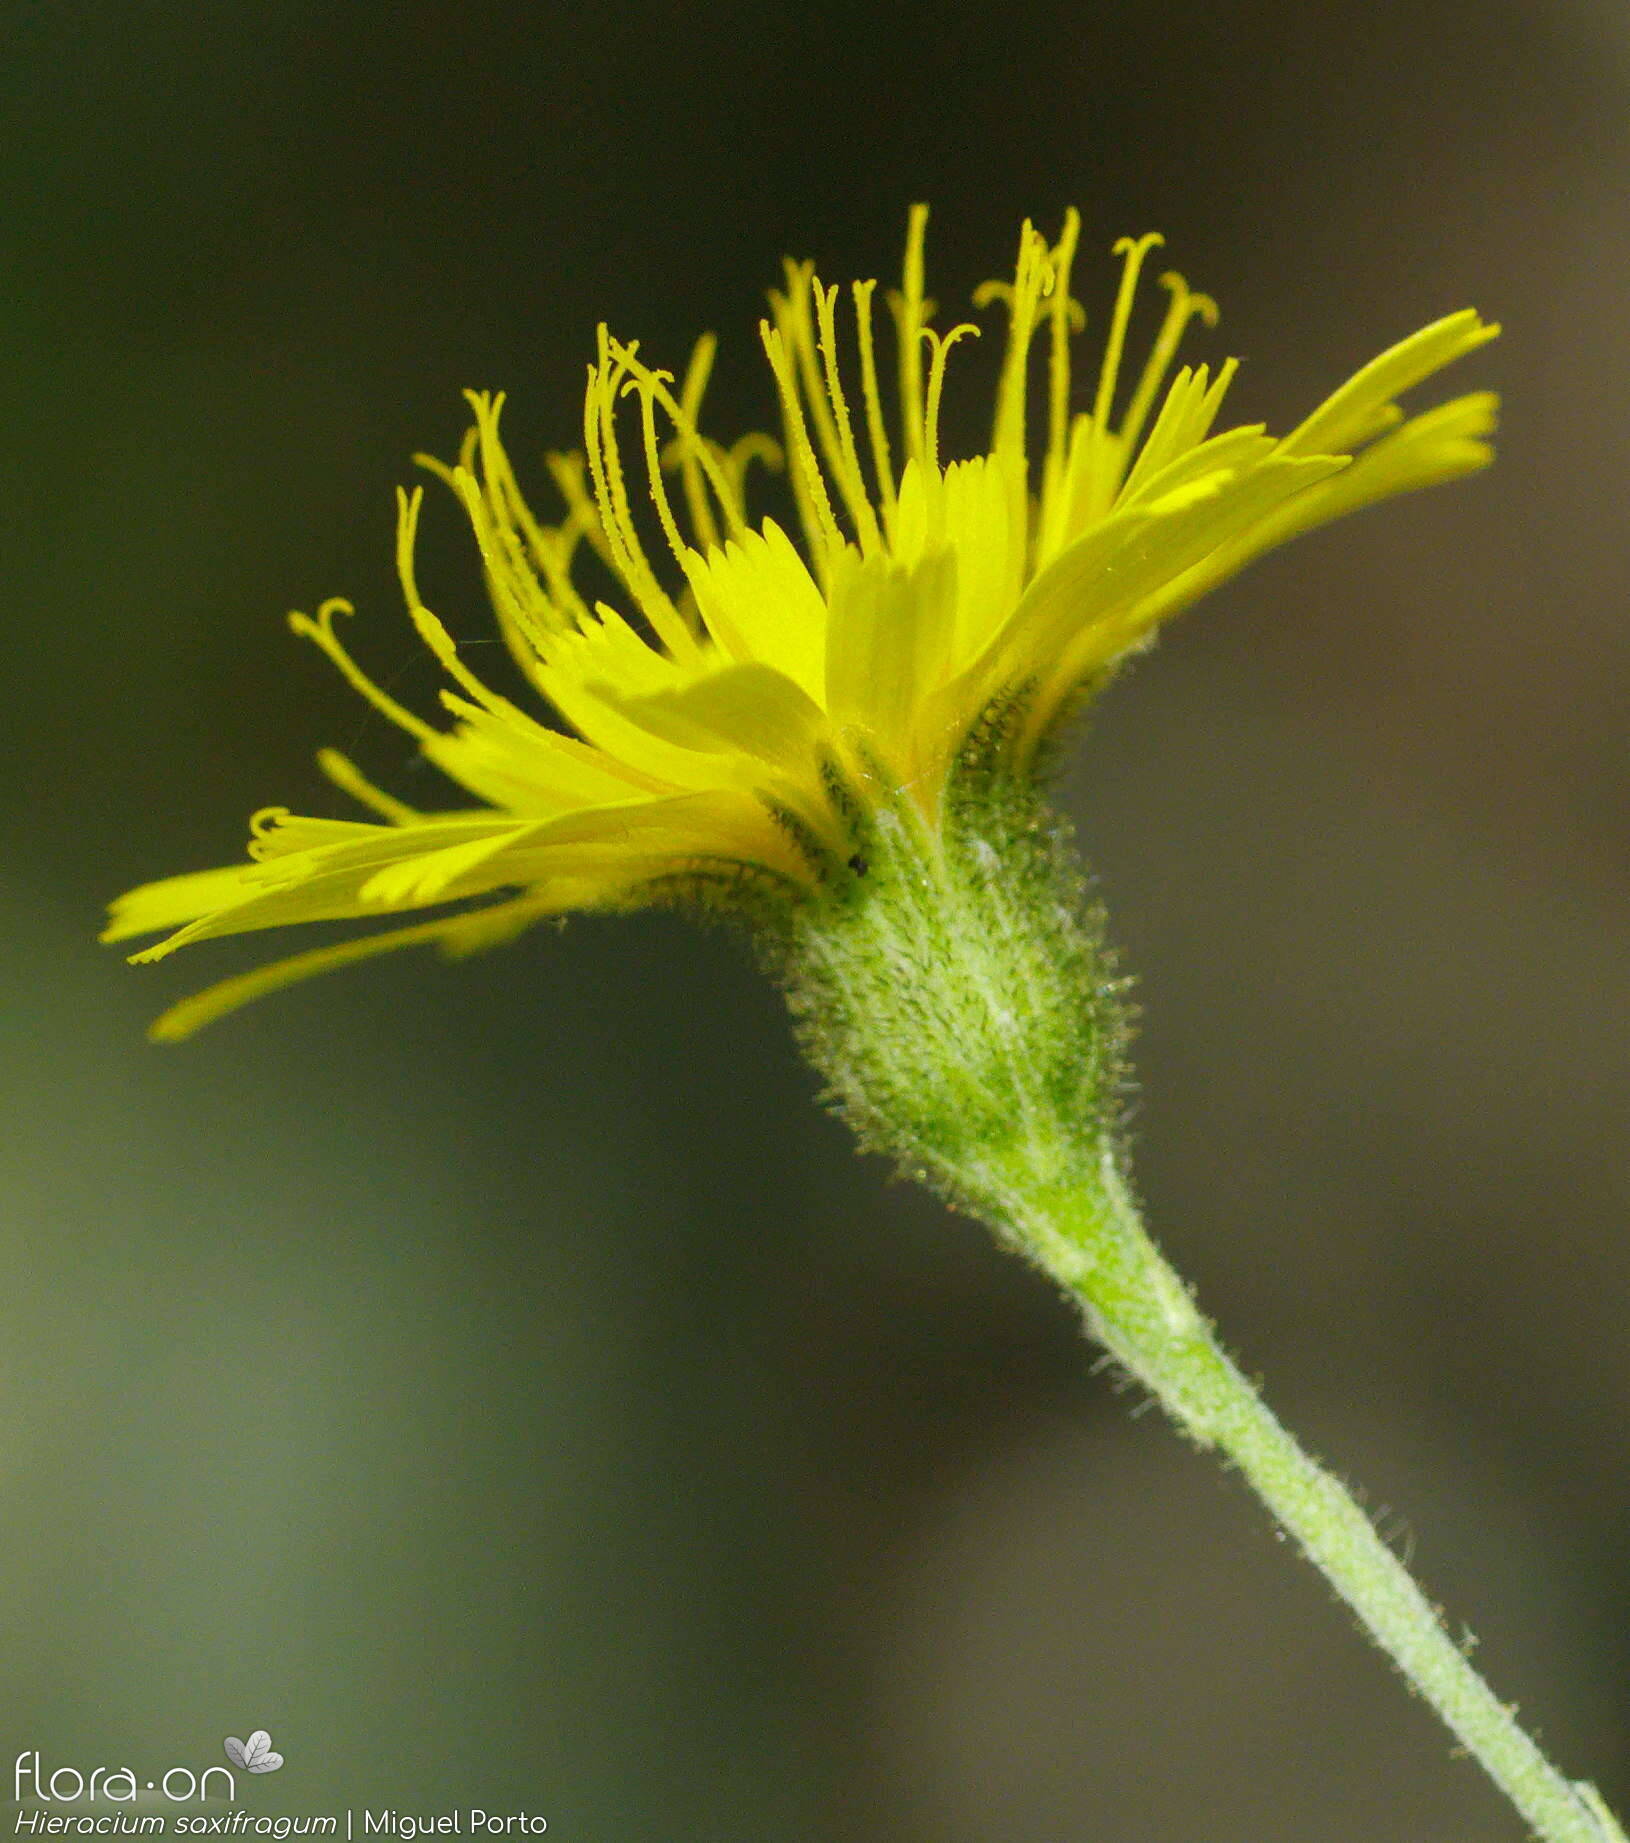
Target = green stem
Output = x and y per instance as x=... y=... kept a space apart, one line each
x=1140 y=1310
x=958 y=1000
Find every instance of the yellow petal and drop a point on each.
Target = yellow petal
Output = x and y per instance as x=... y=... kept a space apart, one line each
x=456 y=934
x=760 y=603
x=171 y=901
x=433 y=876
x=1362 y=408
x=990 y=555
x=1093 y=601
x=1442 y=444
x=615 y=847
x=321 y=884
x=891 y=624
x=531 y=770
x=744 y=710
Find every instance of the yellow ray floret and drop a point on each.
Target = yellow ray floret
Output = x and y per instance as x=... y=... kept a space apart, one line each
x=752 y=695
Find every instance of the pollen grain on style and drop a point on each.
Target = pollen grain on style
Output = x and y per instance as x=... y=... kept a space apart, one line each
x=751 y=694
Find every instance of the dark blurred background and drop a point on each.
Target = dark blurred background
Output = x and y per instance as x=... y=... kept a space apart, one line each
x=499 y=1380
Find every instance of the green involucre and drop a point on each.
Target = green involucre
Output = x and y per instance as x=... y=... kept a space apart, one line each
x=955 y=992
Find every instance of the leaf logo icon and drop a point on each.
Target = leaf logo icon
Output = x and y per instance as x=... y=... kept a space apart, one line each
x=255 y=1754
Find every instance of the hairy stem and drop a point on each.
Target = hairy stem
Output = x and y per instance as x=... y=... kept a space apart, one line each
x=1139 y=1309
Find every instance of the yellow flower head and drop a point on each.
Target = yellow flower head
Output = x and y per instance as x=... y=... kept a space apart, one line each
x=727 y=724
